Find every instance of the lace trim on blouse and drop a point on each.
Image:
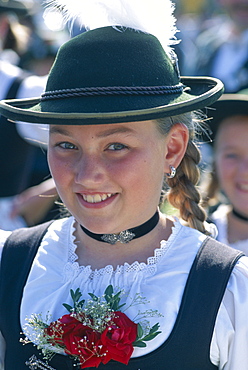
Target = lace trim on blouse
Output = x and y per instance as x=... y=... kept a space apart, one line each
x=72 y=267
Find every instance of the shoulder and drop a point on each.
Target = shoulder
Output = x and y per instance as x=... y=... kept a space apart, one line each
x=185 y=237
x=56 y=231
x=4 y=234
x=242 y=265
x=229 y=341
x=3 y=237
x=235 y=299
x=221 y=212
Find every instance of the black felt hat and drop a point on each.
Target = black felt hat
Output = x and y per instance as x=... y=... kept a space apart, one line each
x=111 y=75
x=227 y=106
x=22 y=7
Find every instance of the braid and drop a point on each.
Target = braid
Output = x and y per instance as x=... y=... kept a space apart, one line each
x=211 y=188
x=183 y=193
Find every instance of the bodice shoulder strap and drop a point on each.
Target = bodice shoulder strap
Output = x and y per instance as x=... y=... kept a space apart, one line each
x=18 y=253
x=203 y=293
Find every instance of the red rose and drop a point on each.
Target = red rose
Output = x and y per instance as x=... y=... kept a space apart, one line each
x=118 y=338
x=91 y=347
x=69 y=319
x=82 y=341
x=57 y=328
x=54 y=332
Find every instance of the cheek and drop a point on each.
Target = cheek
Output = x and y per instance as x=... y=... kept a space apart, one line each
x=53 y=165
x=225 y=171
x=59 y=169
x=142 y=177
x=142 y=166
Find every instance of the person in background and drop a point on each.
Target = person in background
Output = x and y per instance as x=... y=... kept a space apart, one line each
x=227 y=186
x=223 y=48
x=192 y=19
x=219 y=44
x=14 y=35
x=26 y=168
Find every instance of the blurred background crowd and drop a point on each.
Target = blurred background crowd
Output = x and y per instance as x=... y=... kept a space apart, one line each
x=216 y=33
x=213 y=35
x=30 y=36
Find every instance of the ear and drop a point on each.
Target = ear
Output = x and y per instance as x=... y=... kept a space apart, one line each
x=177 y=141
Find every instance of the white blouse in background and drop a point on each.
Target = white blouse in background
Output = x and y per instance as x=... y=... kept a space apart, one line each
x=161 y=281
x=220 y=219
x=32 y=86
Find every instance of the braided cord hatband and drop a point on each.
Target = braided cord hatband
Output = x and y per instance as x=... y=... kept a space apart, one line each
x=112 y=90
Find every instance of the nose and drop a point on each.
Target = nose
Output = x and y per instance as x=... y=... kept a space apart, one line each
x=89 y=170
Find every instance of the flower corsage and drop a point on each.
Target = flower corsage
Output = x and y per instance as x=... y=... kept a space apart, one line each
x=94 y=331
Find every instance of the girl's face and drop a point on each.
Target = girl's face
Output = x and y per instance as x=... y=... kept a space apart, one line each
x=108 y=176
x=232 y=160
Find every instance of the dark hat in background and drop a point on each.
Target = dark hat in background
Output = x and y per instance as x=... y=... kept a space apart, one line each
x=111 y=75
x=20 y=7
x=228 y=105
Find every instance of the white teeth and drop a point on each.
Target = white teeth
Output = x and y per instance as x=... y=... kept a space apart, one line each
x=97 y=198
x=244 y=187
x=89 y=199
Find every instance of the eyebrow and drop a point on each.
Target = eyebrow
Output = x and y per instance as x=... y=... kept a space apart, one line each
x=115 y=130
x=230 y=147
x=59 y=130
x=103 y=133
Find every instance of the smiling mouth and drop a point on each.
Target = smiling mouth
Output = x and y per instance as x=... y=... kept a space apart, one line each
x=243 y=187
x=96 y=198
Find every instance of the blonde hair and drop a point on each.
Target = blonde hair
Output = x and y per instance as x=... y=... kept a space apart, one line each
x=183 y=193
x=213 y=194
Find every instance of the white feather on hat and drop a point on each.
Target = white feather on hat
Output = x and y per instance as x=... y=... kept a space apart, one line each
x=151 y=16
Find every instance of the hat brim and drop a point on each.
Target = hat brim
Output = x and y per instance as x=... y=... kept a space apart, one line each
x=21 y=8
x=229 y=105
x=203 y=91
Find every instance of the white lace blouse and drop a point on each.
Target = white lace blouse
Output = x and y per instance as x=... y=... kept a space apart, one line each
x=160 y=281
x=220 y=219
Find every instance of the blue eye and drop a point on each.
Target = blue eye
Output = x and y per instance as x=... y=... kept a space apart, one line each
x=67 y=145
x=231 y=156
x=117 y=146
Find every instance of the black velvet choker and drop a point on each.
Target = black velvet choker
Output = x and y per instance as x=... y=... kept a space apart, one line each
x=127 y=235
x=239 y=215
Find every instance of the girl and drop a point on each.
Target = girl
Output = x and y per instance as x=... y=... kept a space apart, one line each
x=228 y=183
x=118 y=284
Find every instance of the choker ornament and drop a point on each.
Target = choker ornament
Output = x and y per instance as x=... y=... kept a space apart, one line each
x=239 y=215
x=127 y=235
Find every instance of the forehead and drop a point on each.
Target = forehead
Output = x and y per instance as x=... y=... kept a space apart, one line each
x=97 y=130
x=104 y=130
x=233 y=129
x=231 y=123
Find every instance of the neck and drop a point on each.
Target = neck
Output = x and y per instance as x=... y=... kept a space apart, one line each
x=240 y=216
x=127 y=235
x=98 y=255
